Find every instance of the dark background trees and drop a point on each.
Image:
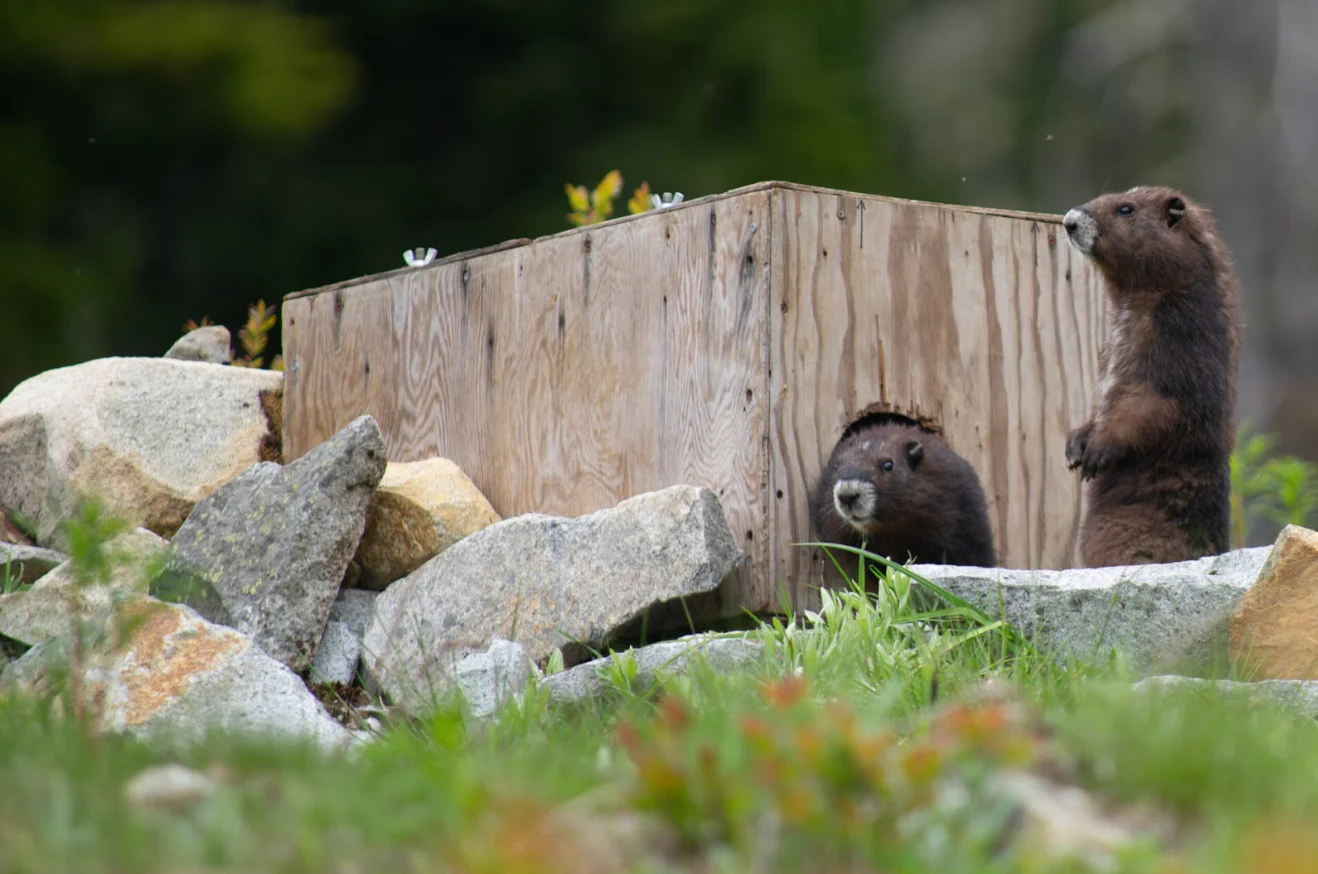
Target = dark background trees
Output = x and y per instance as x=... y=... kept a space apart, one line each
x=164 y=160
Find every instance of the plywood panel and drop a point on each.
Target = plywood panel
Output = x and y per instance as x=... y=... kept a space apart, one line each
x=566 y=374
x=987 y=325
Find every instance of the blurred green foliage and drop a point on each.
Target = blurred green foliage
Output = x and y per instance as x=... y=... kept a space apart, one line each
x=1268 y=490
x=160 y=159
x=136 y=135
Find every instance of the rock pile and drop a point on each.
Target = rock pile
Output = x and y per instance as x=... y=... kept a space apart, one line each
x=233 y=589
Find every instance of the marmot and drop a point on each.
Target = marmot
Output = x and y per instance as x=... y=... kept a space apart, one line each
x=907 y=494
x=1157 y=447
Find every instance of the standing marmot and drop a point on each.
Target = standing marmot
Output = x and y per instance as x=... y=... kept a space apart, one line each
x=1158 y=445
x=907 y=494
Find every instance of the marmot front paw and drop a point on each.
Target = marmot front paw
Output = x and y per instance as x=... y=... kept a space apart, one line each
x=1075 y=445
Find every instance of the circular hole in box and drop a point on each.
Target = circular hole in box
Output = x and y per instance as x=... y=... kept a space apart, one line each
x=883 y=413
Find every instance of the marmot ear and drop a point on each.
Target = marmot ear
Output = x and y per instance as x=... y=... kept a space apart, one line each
x=1175 y=210
x=914 y=451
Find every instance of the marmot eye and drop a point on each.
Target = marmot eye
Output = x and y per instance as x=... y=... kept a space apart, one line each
x=886 y=466
x=1125 y=209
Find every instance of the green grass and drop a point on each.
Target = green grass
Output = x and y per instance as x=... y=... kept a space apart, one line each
x=11 y=577
x=825 y=755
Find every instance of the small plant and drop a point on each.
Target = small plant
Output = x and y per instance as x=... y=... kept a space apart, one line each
x=640 y=201
x=189 y=326
x=254 y=334
x=1280 y=489
x=11 y=578
x=592 y=207
x=100 y=622
x=832 y=794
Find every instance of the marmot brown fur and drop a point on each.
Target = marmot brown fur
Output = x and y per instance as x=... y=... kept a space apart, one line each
x=1156 y=451
x=907 y=494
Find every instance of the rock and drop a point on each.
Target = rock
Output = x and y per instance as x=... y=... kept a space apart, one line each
x=27 y=564
x=29 y=674
x=210 y=344
x=273 y=543
x=1161 y=616
x=171 y=787
x=34 y=616
x=353 y=607
x=1056 y=822
x=590 y=680
x=336 y=658
x=1299 y=696
x=420 y=509
x=149 y=436
x=1273 y=628
x=545 y=581
x=180 y=676
x=488 y=679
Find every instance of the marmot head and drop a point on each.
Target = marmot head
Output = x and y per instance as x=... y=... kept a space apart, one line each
x=873 y=469
x=1151 y=239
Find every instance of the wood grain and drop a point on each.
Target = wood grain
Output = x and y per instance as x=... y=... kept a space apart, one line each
x=566 y=374
x=726 y=342
x=986 y=326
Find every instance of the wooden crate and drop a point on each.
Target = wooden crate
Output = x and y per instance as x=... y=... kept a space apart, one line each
x=725 y=342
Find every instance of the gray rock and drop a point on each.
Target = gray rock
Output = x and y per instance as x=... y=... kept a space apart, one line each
x=1059 y=822
x=353 y=607
x=29 y=673
x=336 y=658
x=1161 y=616
x=179 y=676
x=44 y=611
x=171 y=787
x=274 y=542
x=488 y=679
x=27 y=564
x=671 y=657
x=149 y=436
x=545 y=581
x=1299 y=696
x=210 y=344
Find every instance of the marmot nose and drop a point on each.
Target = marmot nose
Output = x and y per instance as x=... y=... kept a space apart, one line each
x=847 y=493
x=1071 y=220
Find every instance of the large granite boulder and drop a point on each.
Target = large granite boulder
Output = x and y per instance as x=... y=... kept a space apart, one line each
x=543 y=582
x=1163 y=617
x=150 y=437
x=181 y=676
x=420 y=509
x=267 y=551
x=1274 y=629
